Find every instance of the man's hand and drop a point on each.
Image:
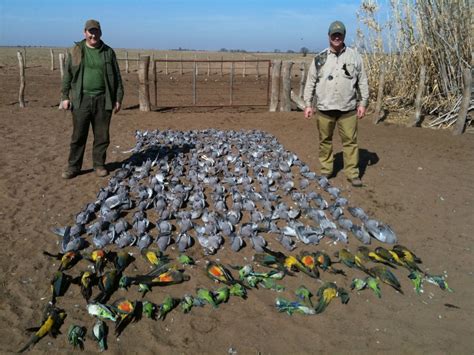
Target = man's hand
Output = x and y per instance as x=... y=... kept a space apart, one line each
x=308 y=112
x=66 y=104
x=117 y=107
x=360 y=111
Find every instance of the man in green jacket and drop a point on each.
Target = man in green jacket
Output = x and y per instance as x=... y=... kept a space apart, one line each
x=91 y=88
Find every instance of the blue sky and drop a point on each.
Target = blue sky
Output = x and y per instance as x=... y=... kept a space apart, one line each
x=259 y=25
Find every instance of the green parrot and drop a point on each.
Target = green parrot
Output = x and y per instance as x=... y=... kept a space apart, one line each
x=438 y=280
x=365 y=254
x=167 y=306
x=99 y=333
x=271 y=285
x=122 y=260
x=305 y=295
x=206 y=295
x=149 y=310
x=238 y=290
x=187 y=303
x=221 y=295
x=417 y=278
x=358 y=284
x=326 y=293
x=185 y=259
x=291 y=307
x=343 y=295
x=53 y=319
x=59 y=285
x=373 y=284
x=68 y=259
x=108 y=283
x=324 y=262
x=382 y=273
x=75 y=336
x=387 y=256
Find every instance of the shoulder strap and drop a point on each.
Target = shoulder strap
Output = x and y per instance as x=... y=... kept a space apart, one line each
x=320 y=59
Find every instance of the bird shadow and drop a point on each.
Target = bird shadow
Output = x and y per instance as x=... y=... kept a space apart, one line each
x=154 y=152
x=366 y=158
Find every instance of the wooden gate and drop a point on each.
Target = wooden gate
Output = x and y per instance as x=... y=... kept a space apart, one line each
x=211 y=83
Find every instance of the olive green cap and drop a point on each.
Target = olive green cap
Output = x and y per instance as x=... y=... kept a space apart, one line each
x=337 y=27
x=90 y=24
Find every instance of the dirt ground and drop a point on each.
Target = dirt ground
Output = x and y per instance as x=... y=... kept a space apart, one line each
x=419 y=181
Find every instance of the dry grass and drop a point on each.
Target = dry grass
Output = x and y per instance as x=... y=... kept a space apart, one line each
x=432 y=33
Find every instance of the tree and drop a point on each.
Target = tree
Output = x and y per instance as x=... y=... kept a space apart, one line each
x=304 y=51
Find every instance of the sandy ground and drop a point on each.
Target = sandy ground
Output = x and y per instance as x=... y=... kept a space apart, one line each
x=419 y=181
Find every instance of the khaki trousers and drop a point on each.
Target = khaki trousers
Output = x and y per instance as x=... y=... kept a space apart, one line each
x=346 y=123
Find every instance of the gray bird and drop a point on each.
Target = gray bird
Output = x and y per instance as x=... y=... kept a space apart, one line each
x=360 y=233
x=163 y=241
x=144 y=241
x=125 y=239
x=184 y=241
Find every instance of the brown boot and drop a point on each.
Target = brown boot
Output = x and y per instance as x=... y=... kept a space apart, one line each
x=101 y=172
x=356 y=182
x=69 y=174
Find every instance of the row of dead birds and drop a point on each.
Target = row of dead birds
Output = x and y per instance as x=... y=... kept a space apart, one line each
x=202 y=185
x=123 y=311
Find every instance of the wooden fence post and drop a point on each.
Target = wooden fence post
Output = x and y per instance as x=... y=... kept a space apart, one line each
x=166 y=65
x=196 y=65
x=194 y=82
x=61 y=70
x=276 y=68
x=222 y=65
x=127 y=68
x=208 y=66
x=303 y=79
x=181 y=64
x=61 y=64
x=153 y=63
x=466 y=98
x=144 y=87
x=231 y=83
x=245 y=67
x=21 y=95
x=138 y=61
x=155 y=85
x=24 y=57
x=419 y=97
x=285 y=104
x=258 y=69
x=378 y=105
x=52 y=58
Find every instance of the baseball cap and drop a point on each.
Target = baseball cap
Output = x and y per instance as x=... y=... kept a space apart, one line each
x=337 y=27
x=90 y=24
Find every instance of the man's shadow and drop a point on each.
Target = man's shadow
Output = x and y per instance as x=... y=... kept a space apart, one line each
x=366 y=158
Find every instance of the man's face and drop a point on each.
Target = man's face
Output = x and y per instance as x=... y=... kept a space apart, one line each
x=336 y=40
x=93 y=37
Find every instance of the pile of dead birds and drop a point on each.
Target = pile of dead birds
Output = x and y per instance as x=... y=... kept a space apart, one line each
x=215 y=189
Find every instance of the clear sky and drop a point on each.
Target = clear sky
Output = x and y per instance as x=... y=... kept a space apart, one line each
x=259 y=25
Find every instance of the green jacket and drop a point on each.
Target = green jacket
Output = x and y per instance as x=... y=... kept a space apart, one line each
x=72 y=80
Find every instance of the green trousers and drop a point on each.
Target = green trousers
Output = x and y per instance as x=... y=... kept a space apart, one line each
x=91 y=112
x=346 y=123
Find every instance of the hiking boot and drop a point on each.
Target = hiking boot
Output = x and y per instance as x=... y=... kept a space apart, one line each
x=356 y=182
x=101 y=172
x=69 y=174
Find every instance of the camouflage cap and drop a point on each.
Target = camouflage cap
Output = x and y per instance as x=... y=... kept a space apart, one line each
x=90 y=24
x=337 y=27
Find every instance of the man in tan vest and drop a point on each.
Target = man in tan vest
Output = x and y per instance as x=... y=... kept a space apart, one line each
x=338 y=80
